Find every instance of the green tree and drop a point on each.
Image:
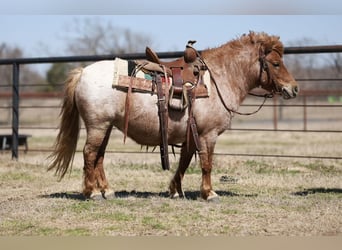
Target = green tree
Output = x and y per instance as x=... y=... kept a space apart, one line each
x=56 y=76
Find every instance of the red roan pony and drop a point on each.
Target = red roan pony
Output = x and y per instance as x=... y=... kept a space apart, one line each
x=253 y=60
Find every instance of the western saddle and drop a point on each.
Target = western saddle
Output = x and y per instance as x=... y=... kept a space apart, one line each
x=186 y=73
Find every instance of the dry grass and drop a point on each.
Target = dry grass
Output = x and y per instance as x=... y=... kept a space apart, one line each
x=259 y=196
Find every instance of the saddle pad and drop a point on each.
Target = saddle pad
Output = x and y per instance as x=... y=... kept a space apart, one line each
x=143 y=82
x=124 y=68
x=145 y=86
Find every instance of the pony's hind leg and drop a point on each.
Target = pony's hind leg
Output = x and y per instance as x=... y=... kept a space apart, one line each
x=95 y=182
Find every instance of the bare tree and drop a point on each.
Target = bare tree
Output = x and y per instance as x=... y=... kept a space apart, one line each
x=93 y=36
x=303 y=65
x=28 y=77
x=335 y=63
x=326 y=69
x=7 y=51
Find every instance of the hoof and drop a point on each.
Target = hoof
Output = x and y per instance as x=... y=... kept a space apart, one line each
x=96 y=196
x=177 y=196
x=213 y=197
x=175 y=192
x=108 y=194
x=174 y=196
x=102 y=195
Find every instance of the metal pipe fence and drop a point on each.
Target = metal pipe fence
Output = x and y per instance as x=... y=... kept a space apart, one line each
x=16 y=95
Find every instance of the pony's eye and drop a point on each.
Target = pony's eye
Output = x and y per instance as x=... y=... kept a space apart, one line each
x=276 y=64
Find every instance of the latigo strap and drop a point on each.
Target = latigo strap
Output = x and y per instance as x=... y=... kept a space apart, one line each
x=163 y=121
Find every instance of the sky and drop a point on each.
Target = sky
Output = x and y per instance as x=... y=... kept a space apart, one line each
x=113 y=7
x=40 y=27
x=46 y=35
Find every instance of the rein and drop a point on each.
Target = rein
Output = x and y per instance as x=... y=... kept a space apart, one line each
x=263 y=67
x=265 y=96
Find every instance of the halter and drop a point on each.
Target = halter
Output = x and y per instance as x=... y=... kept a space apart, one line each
x=265 y=68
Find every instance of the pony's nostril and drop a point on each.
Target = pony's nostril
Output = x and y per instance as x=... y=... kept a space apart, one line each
x=295 y=90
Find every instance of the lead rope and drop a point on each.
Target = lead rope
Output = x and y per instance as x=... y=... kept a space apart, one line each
x=266 y=96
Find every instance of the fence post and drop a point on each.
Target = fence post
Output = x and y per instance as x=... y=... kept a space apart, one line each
x=275 y=113
x=305 y=115
x=15 y=111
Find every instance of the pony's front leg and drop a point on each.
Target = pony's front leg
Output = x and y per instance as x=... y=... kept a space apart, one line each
x=184 y=161
x=95 y=182
x=206 y=158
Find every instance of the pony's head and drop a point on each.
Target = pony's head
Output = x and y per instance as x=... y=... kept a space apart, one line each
x=273 y=75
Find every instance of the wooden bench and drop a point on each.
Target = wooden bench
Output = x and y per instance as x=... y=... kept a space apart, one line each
x=6 y=141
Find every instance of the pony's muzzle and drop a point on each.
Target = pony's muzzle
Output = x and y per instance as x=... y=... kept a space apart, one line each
x=289 y=91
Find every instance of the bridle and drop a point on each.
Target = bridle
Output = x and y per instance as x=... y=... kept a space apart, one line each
x=263 y=68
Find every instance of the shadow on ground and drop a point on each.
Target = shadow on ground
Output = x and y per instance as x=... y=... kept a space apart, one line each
x=308 y=191
x=190 y=195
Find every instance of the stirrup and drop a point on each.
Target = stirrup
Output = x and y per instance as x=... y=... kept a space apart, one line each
x=179 y=104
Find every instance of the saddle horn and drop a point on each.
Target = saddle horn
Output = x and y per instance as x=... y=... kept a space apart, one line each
x=190 y=54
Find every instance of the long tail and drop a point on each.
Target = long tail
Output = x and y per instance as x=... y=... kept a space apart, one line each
x=66 y=141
